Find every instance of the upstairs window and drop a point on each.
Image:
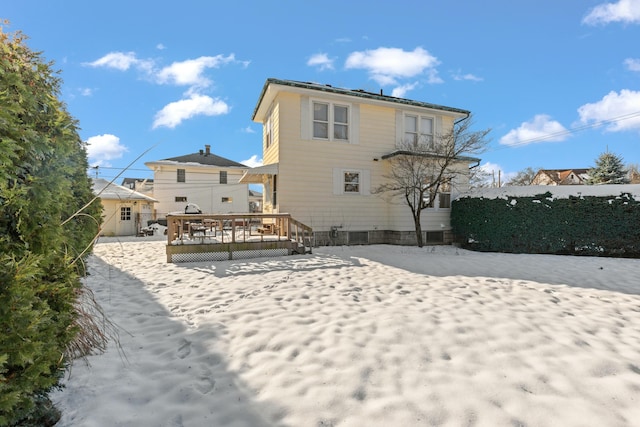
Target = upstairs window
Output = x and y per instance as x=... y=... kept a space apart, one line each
x=418 y=130
x=330 y=121
x=181 y=175
x=223 y=177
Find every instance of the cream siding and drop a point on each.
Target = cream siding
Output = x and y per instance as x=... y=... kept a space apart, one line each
x=202 y=187
x=309 y=168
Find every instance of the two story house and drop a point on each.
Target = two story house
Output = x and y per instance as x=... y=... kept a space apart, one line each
x=560 y=177
x=326 y=150
x=209 y=181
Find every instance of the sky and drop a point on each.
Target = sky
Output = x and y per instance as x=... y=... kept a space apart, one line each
x=558 y=83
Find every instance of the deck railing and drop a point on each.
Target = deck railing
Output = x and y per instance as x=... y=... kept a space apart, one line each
x=236 y=232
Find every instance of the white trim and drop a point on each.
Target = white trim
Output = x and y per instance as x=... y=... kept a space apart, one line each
x=330 y=120
x=364 y=183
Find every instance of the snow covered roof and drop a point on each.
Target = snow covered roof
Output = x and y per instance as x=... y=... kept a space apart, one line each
x=107 y=191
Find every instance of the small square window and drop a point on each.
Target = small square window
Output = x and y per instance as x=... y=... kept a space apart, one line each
x=181 y=199
x=125 y=213
x=227 y=200
x=352 y=182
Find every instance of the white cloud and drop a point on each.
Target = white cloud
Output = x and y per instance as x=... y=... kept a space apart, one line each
x=190 y=72
x=86 y=91
x=400 y=91
x=386 y=65
x=540 y=129
x=248 y=129
x=471 y=77
x=176 y=112
x=160 y=46
x=620 y=111
x=633 y=64
x=252 y=162
x=119 y=60
x=627 y=11
x=102 y=148
x=321 y=60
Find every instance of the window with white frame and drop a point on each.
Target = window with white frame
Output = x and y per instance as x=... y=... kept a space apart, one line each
x=418 y=130
x=125 y=213
x=351 y=183
x=443 y=195
x=330 y=121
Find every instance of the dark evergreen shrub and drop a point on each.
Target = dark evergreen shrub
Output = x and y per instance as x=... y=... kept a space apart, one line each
x=43 y=182
x=589 y=225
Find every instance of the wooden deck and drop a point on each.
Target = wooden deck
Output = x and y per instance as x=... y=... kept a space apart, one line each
x=204 y=237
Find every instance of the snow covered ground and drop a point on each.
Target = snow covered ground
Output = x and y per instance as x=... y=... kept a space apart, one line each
x=361 y=336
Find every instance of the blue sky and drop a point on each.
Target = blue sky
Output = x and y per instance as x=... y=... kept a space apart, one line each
x=558 y=82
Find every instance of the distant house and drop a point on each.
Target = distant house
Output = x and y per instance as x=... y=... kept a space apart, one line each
x=125 y=211
x=560 y=177
x=255 y=201
x=326 y=149
x=141 y=185
x=204 y=179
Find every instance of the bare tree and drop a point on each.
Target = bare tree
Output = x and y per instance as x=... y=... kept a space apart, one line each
x=479 y=177
x=523 y=177
x=420 y=169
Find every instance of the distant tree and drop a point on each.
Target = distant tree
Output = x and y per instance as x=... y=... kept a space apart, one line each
x=420 y=169
x=609 y=169
x=633 y=174
x=479 y=177
x=523 y=177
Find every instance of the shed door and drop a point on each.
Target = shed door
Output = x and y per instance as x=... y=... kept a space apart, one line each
x=126 y=225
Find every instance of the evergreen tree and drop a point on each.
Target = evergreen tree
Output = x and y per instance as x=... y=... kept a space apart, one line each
x=609 y=169
x=43 y=181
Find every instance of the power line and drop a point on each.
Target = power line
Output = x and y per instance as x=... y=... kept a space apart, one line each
x=569 y=131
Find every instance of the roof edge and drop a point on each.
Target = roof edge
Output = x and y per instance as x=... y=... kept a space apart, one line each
x=351 y=92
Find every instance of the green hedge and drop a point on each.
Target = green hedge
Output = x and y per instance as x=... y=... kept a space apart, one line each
x=588 y=225
x=43 y=182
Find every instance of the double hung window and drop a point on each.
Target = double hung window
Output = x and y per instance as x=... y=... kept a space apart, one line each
x=330 y=121
x=223 y=177
x=351 y=182
x=181 y=177
x=418 y=131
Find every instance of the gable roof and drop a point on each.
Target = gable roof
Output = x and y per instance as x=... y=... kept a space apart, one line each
x=208 y=159
x=110 y=191
x=359 y=93
x=560 y=175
